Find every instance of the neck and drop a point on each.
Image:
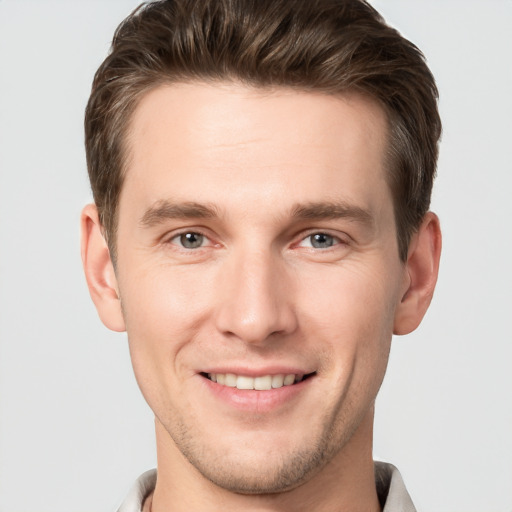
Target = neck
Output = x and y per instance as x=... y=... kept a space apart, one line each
x=347 y=482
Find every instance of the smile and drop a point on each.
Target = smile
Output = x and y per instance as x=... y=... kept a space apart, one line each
x=261 y=383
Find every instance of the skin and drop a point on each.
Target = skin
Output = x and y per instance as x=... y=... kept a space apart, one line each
x=265 y=170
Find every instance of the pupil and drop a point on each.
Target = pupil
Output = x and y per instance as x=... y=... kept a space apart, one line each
x=321 y=241
x=191 y=240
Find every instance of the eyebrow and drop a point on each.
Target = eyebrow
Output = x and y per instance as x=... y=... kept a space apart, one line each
x=332 y=210
x=164 y=210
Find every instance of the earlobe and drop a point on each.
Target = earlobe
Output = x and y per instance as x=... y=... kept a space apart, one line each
x=422 y=268
x=99 y=270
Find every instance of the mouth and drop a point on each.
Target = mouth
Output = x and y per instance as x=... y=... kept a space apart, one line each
x=260 y=383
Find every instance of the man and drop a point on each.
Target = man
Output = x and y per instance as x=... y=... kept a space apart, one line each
x=262 y=174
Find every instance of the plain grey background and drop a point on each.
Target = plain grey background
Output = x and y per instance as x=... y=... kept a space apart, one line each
x=74 y=430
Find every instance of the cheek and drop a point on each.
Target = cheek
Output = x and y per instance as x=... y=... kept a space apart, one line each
x=355 y=295
x=163 y=311
x=350 y=319
x=351 y=309
x=162 y=301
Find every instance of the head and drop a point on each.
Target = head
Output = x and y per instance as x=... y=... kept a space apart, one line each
x=262 y=174
x=330 y=46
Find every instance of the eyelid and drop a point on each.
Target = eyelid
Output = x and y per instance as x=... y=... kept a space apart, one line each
x=169 y=237
x=340 y=238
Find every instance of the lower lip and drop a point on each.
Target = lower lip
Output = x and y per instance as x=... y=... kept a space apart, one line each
x=251 y=400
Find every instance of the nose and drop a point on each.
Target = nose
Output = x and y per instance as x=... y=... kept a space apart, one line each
x=256 y=298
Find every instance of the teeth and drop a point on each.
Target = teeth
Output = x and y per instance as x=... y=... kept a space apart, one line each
x=244 y=382
x=230 y=380
x=289 y=379
x=262 y=383
x=277 y=381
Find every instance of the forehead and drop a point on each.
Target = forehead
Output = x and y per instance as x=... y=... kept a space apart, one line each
x=190 y=141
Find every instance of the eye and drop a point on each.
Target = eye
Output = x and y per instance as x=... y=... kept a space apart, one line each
x=190 y=240
x=320 y=241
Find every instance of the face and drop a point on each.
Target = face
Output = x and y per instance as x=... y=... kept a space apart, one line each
x=259 y=276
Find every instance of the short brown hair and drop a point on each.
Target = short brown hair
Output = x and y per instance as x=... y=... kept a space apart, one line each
x=330 y=46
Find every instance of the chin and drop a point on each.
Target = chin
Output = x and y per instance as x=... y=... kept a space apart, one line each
x=264 y=478
x=261 y=470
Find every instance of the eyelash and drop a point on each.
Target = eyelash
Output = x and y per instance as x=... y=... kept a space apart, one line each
x=189 y=232
x=336 y=240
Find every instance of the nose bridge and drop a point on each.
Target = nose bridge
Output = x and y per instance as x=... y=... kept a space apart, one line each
x=254 y=300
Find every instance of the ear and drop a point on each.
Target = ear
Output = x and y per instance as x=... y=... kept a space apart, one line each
x=99 y=270
x=422 y=268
